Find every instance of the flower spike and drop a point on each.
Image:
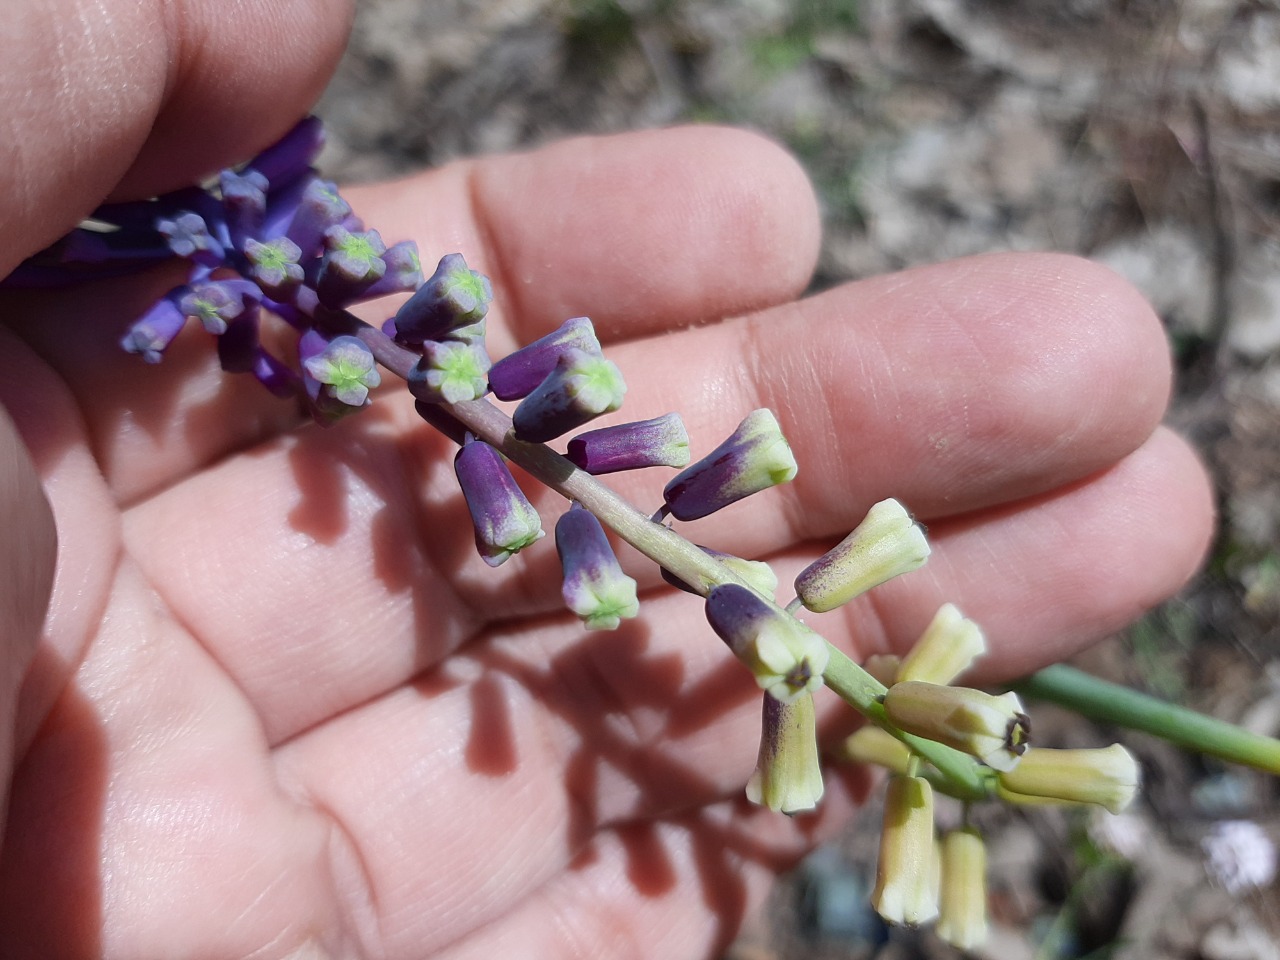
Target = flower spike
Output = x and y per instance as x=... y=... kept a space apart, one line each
x=755 y=457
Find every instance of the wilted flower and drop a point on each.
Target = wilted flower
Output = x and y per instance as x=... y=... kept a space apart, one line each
x=788 y=777
x=885 y=544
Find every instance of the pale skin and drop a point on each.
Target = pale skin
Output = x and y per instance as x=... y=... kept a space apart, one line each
x=279 y=708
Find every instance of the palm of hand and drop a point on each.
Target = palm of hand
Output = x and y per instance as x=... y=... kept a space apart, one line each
x=291 y=714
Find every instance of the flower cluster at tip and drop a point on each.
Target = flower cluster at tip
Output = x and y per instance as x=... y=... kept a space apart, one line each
x=922 y=877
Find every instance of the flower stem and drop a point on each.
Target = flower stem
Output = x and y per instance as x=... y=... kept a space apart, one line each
x=1119 y=705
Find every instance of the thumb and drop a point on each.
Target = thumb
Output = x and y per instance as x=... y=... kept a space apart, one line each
x=27 y=552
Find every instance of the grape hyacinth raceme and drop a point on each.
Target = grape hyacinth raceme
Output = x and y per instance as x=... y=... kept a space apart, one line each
x=271 y=242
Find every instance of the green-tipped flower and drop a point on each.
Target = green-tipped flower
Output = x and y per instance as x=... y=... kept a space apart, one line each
x=906 y=891
x=886 y=543
x=787 y=778
x=946 y=649
x=453 y=297
x=517 y=375
x=579 y=389
x=450 y=372
x=1108 y=777
x=755 y=457
x=505 y=521
x=962 y=908
x=786 y=657
x=595 y=588
x=344 y=365
x=993 y=729
x=660 y=442
x=870 y=744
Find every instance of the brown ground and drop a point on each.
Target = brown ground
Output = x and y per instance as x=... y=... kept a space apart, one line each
x=1143 y=133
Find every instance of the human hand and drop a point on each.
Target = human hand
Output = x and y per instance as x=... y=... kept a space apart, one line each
x=281 y=709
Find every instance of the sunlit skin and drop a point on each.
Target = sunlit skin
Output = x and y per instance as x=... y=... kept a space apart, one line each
x=280 y=708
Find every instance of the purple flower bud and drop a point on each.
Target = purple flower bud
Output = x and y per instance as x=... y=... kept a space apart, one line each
x=343 y=366
x=450 y=372
x=188 y=236
x=516 y=376
x=595 y=588
x=244 y=196
x=238 y=345
x=275 y=265
x=452 y=297
x=151 y=334
x=292 y=155
x=660 y=442
x=786 y=657
x=216 y=302
x=505 y=521
x=319 y=209
x=404 y=271
x=579 y=389
x=352 y=263
x=442 y=421
x=755 y=457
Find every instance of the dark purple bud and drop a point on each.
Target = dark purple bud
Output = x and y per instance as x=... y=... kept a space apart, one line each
x=275 y=266
x=660 y=442
x=579 y=389
x=755 y=573
x=352 y=263
x=217 y=302
x=292 y=155
x=595 y=588
x=442 y=420
x=517 y=375
x=404 y=271
x=319 y=209
x=452 y=297
x=151 y=334
x=244 y=196
x=450 y=372
x=755 y=457
x=188 y=236
x=92 y=246
x=505 y=521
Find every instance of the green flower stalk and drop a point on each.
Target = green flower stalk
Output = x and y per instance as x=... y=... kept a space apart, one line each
x=906 y=891
x=1108 y=777
x=788 y=777
x=962 y=906
x=885 y=544
x=993 y=729
x=946 y=649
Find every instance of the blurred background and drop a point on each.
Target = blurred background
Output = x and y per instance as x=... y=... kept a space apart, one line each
x=1142 y=133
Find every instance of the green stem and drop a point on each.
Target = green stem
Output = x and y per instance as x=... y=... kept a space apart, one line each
x=1115 y=704
x=668 y=549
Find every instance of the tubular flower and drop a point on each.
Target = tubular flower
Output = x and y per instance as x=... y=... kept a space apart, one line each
x=946 y=649
x=579 y=389
x=756 y=574
x=450 y=372
x=660 y=442
x=505 y=521
x=993 y=729
x=962 y=907
x=595 y=588
x=885 y=544
x=785 y=656
x=453 y=297
x=517 y=375
x=1108 y=777
x=870 y=744
x=905 y=891
x=788 y=777
x=756 y=456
